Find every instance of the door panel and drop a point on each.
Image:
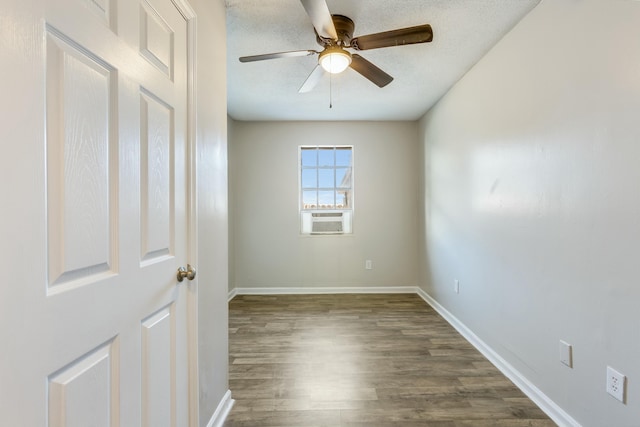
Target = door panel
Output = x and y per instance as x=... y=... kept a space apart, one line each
x=85 y=393
x=156 y=37
x=158 y=369
x=80 y=182
x=156 y=172
x=94 y=323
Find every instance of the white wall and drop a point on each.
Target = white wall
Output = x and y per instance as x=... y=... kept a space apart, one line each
x=268 y=250
x=531 y=199
x=211 y=154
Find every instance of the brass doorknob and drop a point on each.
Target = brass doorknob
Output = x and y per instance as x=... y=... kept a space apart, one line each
x=189 y=273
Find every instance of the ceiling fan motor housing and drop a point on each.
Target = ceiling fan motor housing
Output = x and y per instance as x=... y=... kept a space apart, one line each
x=344 y=28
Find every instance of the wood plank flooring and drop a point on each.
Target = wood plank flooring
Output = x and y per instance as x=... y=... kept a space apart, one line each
x=362 y=360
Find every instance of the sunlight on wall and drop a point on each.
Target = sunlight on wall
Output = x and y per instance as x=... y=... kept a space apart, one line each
x=506 y=181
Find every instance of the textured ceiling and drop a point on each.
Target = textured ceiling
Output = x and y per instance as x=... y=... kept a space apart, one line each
x=463 y=31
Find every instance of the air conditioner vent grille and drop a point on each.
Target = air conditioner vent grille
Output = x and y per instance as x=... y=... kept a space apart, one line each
x=327 y=214
x=327 y=226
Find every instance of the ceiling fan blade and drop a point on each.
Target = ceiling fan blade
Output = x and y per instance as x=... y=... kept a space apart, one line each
x=289 y=54
x=410 y=35
x=321 y=19
x=312 y=80
x=370 y=71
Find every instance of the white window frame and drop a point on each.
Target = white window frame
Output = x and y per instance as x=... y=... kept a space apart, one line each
x=316 y=218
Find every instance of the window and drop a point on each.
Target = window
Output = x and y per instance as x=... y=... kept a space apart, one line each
x=326 y=189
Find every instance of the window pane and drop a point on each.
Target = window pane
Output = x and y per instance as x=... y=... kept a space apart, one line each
x=309 y=199
x=343 y=156
x=326 y=178
x=326 y=199
x=343 y=177
x=309 y=156
x=309 y=178
x=325 y=157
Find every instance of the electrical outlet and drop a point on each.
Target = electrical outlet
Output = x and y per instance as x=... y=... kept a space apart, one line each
x=616 y=384
x=456 y=286
x=368 y=265
x=566 y=353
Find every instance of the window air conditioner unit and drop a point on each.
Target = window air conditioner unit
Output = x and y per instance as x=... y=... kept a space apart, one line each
x=327 y=223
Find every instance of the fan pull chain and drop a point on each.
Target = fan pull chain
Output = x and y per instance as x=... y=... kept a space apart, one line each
x=330 y=90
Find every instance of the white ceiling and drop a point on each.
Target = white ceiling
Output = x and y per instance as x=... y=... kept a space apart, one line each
x=463 y=32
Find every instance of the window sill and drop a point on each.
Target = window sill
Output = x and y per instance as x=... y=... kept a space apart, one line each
x=325 y=235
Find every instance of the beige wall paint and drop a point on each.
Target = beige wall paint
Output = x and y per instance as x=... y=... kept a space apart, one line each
x=211 y=157
x=231 y=137
x=530 y=188
x=268 y=250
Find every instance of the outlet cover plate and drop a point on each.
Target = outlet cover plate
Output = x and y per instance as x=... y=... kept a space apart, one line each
x=616 y=384
x=566 y=353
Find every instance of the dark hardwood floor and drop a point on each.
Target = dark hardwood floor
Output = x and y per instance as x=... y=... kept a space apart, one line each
x=362 y=360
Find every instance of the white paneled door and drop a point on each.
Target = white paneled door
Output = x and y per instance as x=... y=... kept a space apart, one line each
x=95 y=325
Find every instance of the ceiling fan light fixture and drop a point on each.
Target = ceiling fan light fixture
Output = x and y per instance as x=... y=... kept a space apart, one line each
x=334 y=60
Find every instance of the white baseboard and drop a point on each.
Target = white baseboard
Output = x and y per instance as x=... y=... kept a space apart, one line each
x=232 y=293
x=324 y=290
x=557 y=414
x=222 y=411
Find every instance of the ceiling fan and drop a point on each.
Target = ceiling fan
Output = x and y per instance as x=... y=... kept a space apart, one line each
x=335 y=34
